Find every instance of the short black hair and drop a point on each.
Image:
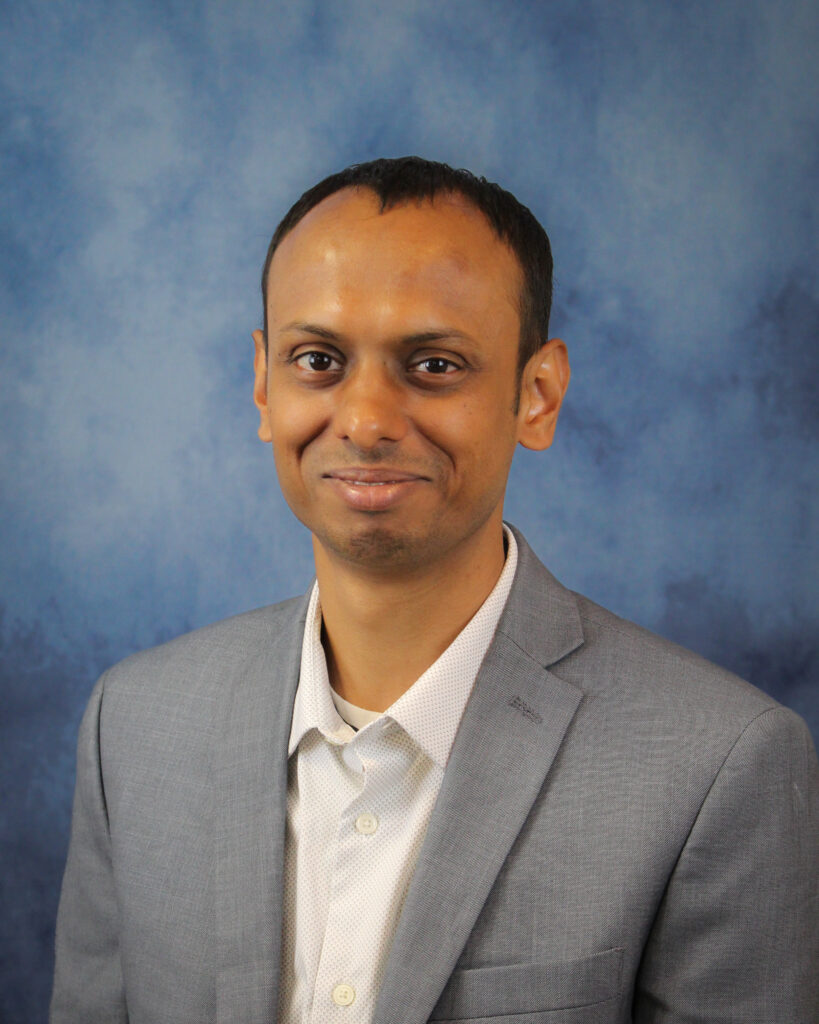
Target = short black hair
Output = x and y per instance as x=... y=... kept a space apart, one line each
x=412 y=178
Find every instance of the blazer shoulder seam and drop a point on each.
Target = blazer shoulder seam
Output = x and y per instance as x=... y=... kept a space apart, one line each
x=762 y=713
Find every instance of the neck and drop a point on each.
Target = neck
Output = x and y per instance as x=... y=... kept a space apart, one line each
x=382 y=631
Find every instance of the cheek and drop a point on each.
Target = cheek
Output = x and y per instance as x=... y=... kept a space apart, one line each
x=480 y=444
x=287 y=432
x=488 y=426
x=294 y=424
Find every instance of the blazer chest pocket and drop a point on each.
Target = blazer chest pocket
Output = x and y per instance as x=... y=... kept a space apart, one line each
x=533 y=988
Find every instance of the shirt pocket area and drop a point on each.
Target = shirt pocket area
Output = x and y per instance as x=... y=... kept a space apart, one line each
x=480 y=992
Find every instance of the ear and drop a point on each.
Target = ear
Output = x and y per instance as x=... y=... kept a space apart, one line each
x=260 y=385
x=543 y=384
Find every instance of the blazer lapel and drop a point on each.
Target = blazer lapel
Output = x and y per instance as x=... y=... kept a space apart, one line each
x=511 y=731
x=251 y=798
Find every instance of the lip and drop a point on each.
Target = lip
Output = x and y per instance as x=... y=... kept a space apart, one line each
x=372 y=490
x=380 y=475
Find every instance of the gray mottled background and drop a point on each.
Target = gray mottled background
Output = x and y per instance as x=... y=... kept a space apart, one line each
x=148 y=149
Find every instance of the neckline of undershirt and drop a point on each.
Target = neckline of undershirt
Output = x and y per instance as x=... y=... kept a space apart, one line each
x=352 y=714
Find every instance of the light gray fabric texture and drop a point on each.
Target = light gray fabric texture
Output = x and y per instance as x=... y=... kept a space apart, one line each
x=624 y=833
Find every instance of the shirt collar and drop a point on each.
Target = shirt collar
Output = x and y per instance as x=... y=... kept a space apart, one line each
x=430 y=710
x=313 y=707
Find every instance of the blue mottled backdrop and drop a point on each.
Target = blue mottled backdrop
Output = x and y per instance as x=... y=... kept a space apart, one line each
x=148 y=149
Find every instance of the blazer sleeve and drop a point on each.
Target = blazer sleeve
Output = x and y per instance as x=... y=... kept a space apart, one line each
x=88 y=985
x=736 y=938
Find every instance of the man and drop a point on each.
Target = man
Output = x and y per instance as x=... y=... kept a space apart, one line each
x=440 y=786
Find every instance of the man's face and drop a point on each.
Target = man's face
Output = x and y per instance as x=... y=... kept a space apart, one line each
x=390 y=387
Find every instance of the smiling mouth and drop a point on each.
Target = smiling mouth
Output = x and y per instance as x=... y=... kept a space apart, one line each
x=372 y=490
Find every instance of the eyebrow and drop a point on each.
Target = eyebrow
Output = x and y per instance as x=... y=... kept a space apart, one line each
x=303 y=328
x=419 y=338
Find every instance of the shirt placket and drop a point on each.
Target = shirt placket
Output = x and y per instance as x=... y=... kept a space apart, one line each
x=360 y=882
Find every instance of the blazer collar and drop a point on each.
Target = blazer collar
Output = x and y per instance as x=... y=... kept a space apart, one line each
x=541 y=615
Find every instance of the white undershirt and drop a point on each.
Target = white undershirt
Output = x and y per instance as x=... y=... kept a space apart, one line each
x=352 y=714
x=358 y=804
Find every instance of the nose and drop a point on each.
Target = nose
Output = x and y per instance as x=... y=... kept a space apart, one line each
x=369 y=409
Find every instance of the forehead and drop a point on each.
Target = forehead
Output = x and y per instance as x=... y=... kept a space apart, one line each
x=445 y=245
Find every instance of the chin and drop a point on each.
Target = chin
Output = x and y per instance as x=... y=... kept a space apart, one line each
x=375 y=547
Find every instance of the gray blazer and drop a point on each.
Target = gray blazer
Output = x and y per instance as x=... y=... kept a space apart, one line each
x=624 y=833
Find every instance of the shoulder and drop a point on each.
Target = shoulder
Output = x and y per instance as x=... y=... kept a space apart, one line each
x=185 y=679
x=681 y=718
x=229 y=642
x=647 y=666
x=203 y=657
x=672 y=732
x=640 y=690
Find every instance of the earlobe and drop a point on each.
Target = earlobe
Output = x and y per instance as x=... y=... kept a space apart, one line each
x=260 y=385
x=544 y=382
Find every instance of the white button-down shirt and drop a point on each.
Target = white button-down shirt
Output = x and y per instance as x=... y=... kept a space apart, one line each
x=358 y=805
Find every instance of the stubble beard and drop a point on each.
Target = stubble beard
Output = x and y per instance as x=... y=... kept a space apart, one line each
x=376 y=547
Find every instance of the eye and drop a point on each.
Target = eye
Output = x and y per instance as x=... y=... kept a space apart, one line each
x=435 y=365
x=316 y=361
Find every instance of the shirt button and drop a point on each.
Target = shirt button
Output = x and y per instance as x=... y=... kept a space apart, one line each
x=343 y=995
x=366 y=824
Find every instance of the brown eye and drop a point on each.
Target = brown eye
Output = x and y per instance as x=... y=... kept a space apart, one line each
x=316 y=361
x=435 y=366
